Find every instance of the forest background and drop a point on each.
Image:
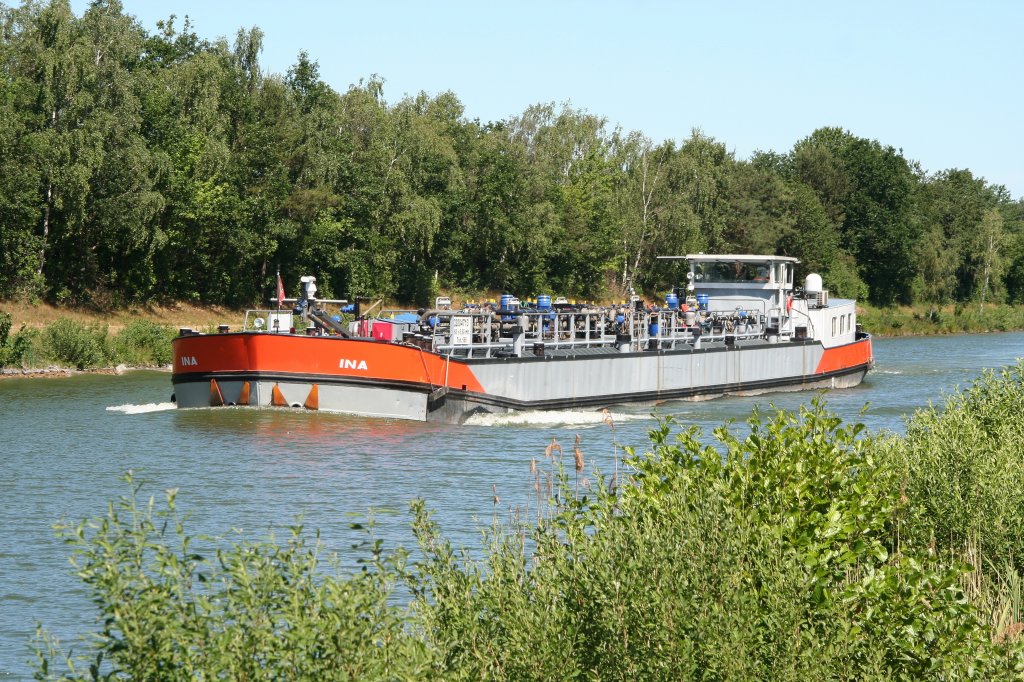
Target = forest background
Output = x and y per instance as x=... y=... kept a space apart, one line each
x=140 y=167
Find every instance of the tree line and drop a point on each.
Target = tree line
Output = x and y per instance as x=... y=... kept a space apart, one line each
x=138 y=166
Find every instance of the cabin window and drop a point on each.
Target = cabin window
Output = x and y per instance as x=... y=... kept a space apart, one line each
x=842 y=323
x=849 y=321
x=833 y=326
x=736 y=271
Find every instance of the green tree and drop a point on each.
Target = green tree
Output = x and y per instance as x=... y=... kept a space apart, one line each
x=952 y=205
x=757 y=210
x=488 y=245
x=990 y=266
x=20 y=172
x=56 y=66
x=1013 y=222
x=369 y=256
x=640 y=202
x=136 y=165
x=816 y=162
x=704 y=173
x=569 y=210
x=869 y=190
x=116 y=248
x=817 y=242
x=694 y=210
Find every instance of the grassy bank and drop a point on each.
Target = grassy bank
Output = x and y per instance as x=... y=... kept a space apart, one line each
x=950 y=319
x=34 y=336
x=805 y=549
x=68 y=343
x=41 y=315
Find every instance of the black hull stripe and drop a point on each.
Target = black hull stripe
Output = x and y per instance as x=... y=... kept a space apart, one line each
x=328 y=379
x=652 y=396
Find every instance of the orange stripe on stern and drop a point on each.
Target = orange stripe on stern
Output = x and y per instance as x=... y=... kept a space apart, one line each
x=843 y=357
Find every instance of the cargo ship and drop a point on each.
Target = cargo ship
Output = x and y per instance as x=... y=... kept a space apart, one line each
x=736 y=326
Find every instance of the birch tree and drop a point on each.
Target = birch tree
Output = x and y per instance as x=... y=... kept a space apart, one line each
x=990 y=238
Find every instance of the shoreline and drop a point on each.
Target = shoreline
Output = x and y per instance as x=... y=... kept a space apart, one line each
x=55 y=372
x=902 y=335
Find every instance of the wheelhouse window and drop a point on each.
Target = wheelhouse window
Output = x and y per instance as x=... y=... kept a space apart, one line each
x=736 y=271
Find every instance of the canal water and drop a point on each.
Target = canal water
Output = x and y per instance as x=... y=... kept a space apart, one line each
x=242 y=473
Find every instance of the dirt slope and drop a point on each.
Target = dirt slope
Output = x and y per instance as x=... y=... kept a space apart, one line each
x=178 y=315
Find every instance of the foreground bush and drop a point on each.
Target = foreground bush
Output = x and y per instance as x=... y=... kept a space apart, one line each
x=961 y=468
x=962 y=465
x=249 y=611
x=769 y=557
x=781 y=555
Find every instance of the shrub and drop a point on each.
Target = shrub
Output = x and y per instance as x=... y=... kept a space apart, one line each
x=143 y=342
x=961 y=469
x=771 y=557
x=253 y=610
x=5 y=328
x=790 y=553
x=19 y=349
x=6 y=354
x=70 y=342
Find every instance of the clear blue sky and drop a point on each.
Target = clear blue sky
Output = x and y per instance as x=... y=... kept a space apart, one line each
x=943 y=81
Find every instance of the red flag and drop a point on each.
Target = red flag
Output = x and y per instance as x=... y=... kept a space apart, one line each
x=280 y=291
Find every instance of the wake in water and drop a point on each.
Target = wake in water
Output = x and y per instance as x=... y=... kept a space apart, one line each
x=539 y=418
x=141 y=409
x=552 y=418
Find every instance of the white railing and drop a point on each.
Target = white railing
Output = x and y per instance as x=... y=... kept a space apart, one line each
x=463 y=333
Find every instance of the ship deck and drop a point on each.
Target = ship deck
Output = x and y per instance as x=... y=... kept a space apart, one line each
x=479 y=355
